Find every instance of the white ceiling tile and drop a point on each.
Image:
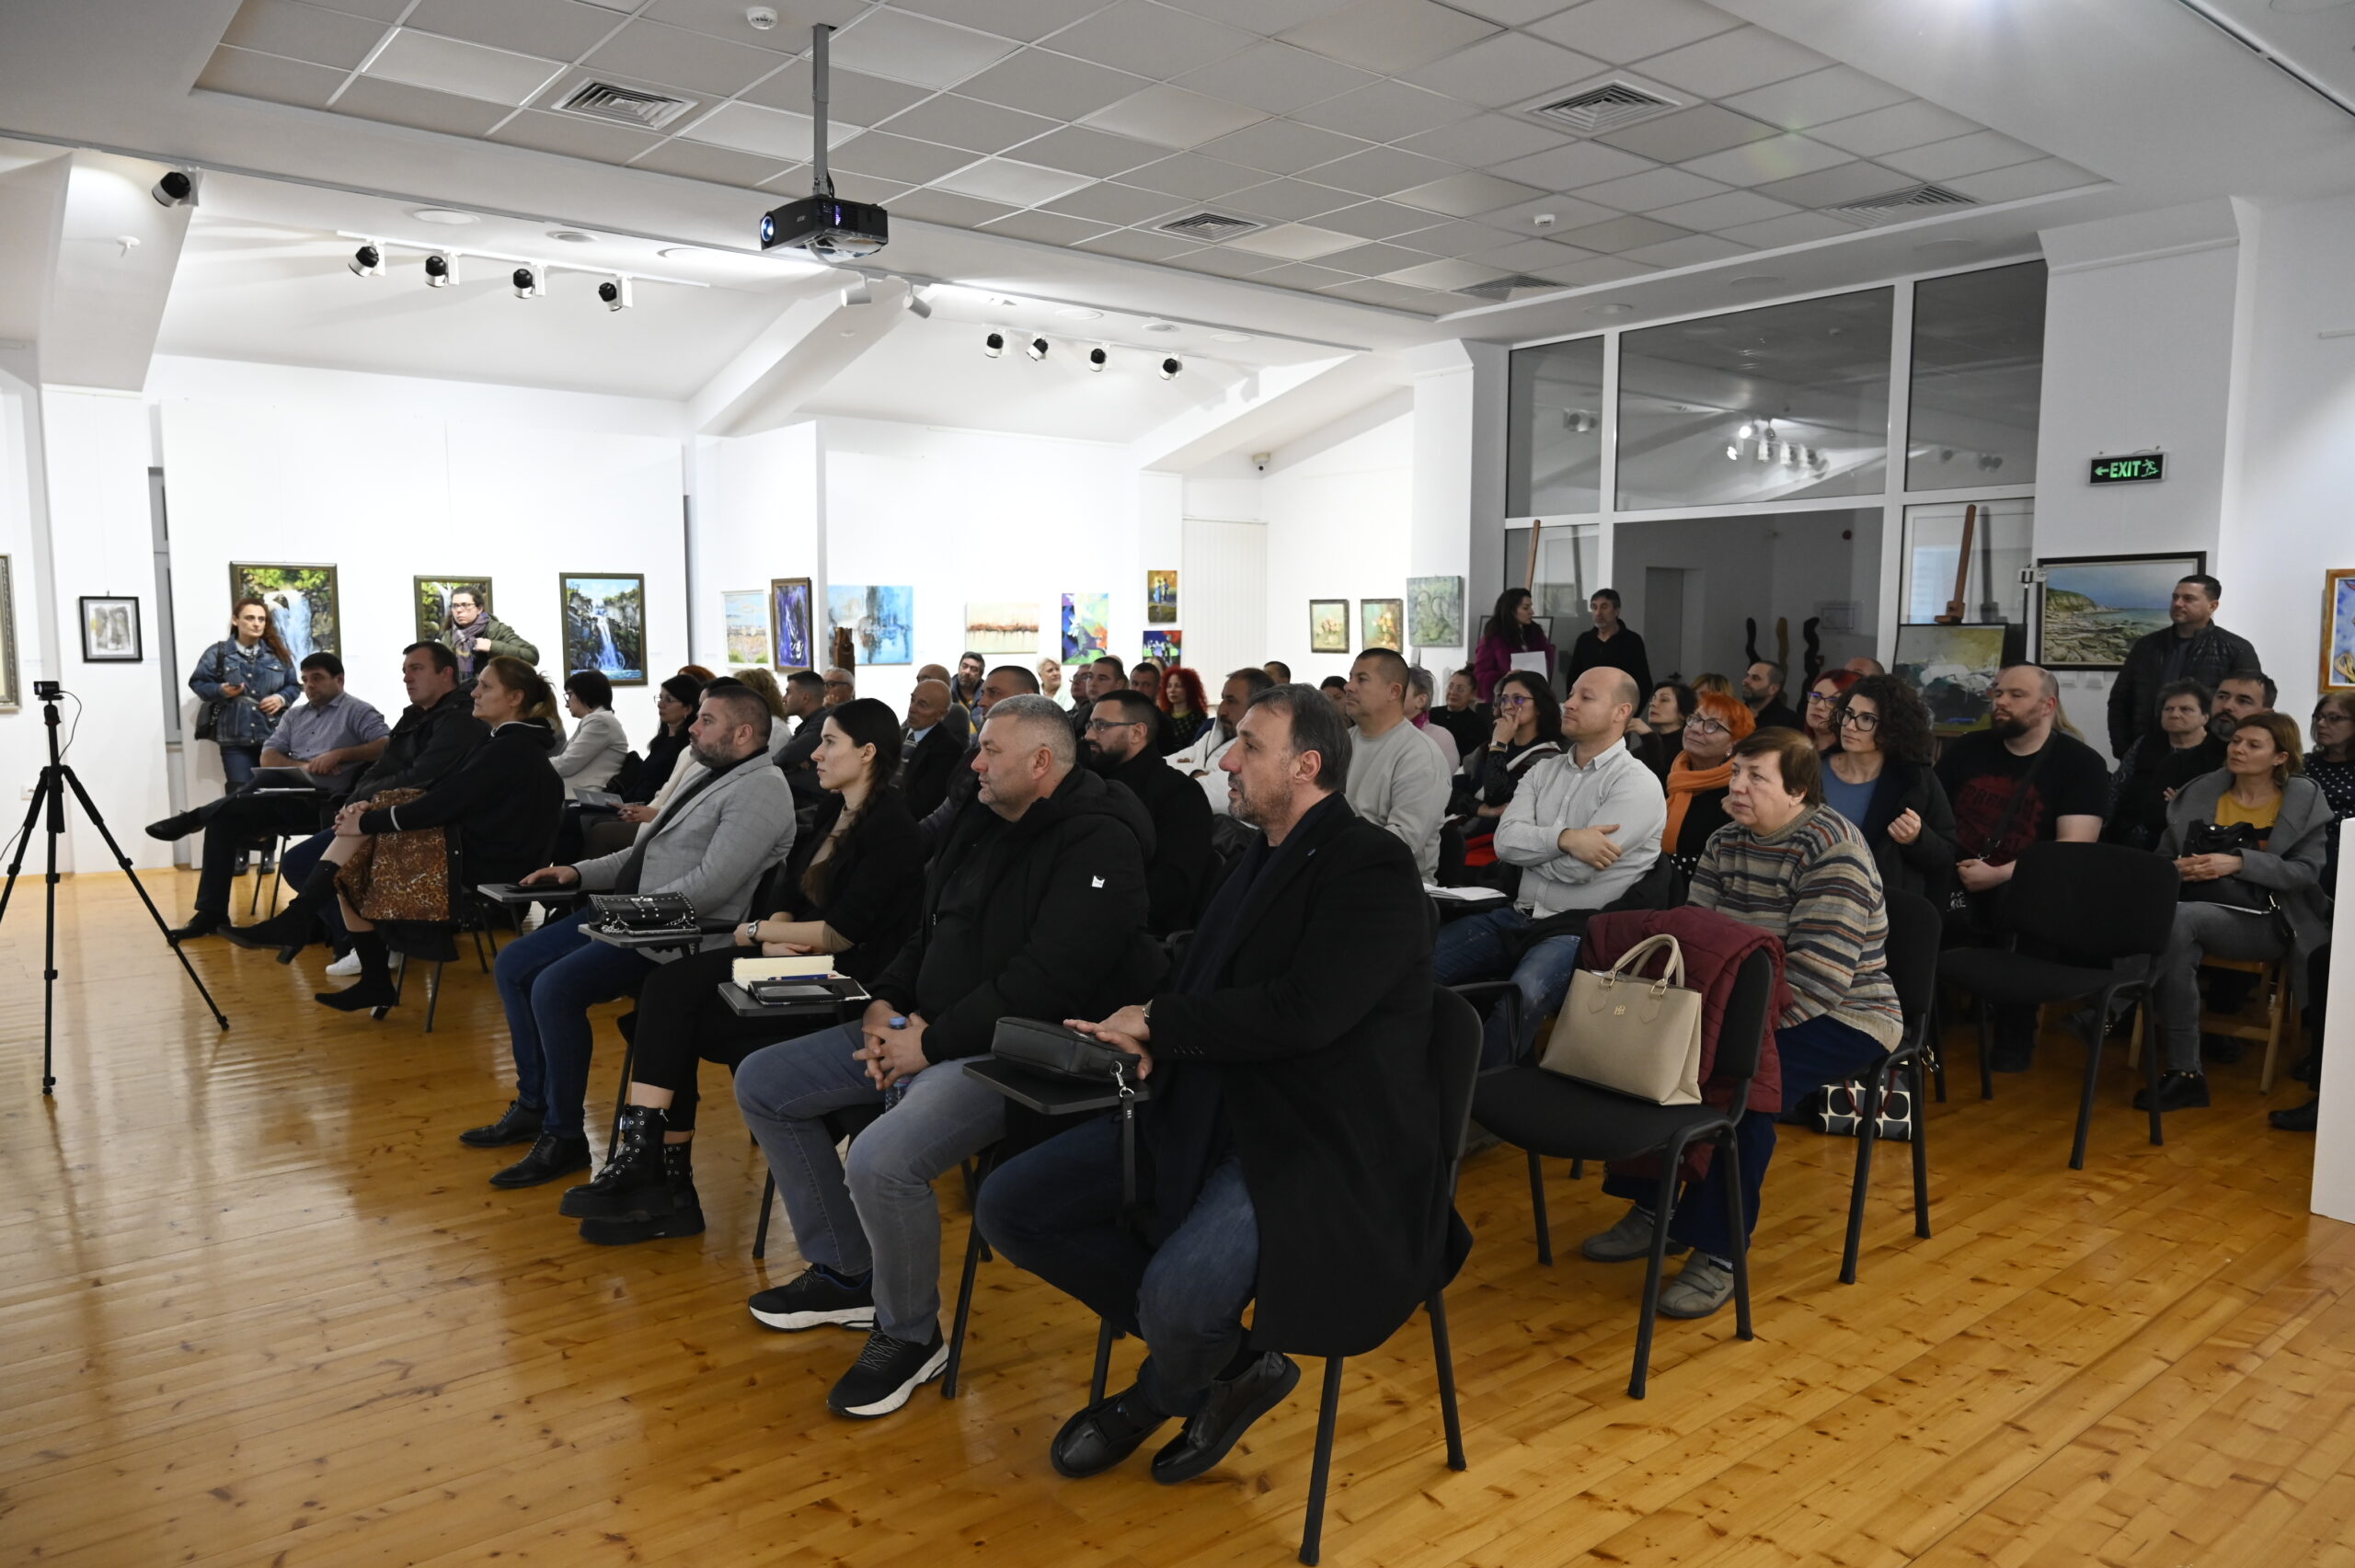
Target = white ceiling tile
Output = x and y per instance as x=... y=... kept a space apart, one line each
x=1691 y=251
x=1487 y=139
x=1016 y=183
x=853 y=98
x=956 y=122
x=1377 y=220
x=1642 y=192
x=1050 y=84
x=1511 y=13
x=565 y=133
x=1028 y=20
x=1221 y=262
x=1800 y=228
x=721 y=166
x=1830 y=187
x=1732 y=63
x=1260 y=16
x=1817 y=97
x=1190 y=174
x=1504 y=69
x=397 y=103
x=1621 y=235
x=1283 y=146
x=295 y=31
x=1275 y=77
x=1463 y=237
x=1300 y=275
x=1369 y=259
x=1461 y=195
x=1385 y=111
x=1046 y=228
x=1689 y=134
x=1378 y=171
x=1443 y=274
x=1565 y=212
x=1531 y=256
x=2023 y=180
x=717 y=19
x=1293 y=199
x=254 y=75
x=903 y=48
x=771 y=133
x=1114 y=203
x=1585 y=274
x=1622 y=31
x=1388 y=36
x=1294 y=241
x=947 y=207
x=1779 y=157
x=1893 y=128
x=887 y=156
x=1150 y=39
x=1172 y=117
x=699 y=64
x=1975 y=153
x=466 y=70
x=1082 y=151
x=1580 y=163
x=1720 y=213
x=1137 y=245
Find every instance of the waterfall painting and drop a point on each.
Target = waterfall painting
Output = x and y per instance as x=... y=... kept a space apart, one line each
x=302 y=600
x=604 y=625
x=882 y=618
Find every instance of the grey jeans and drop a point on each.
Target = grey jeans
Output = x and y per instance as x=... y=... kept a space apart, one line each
x=875 y=1210
x=2203 y=931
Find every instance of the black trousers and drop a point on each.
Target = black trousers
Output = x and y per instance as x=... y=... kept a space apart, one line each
x=234 y=825
x=681 y=1022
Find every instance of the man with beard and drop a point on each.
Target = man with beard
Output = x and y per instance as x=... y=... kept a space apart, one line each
x=2191 y=647
x=1121 y=729
x=1200 y=760
x=2017 y=782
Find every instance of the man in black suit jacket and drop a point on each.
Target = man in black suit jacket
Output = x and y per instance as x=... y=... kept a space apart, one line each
x=1294 y=1149
x=929 y=748
x=1119 y=745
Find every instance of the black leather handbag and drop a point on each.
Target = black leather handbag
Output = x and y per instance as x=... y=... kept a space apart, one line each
x=1060 y=1052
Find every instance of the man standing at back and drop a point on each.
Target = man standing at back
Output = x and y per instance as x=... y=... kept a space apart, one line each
x=1396 y=779
x=2192 y=648
x=1611 y=643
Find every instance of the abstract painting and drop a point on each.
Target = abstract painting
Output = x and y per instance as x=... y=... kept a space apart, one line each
x=302 y=601
x=789 y=623
x=2095 y=608
x=1954 y=668
x=1009 y=625
x=1087 y=625
x=882 y=618
x=1165 y=647
x=2337 y=631
x=1328 y=625
x=745 y=615
x=1435 y=611
x=605 y=623
x=1161 y=598
x=433 y=596
x=110 y=630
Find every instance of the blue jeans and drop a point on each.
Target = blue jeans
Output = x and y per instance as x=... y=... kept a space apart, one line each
x=1055 y=1211
x=547 y=981
x=238 y=762
x=1475 y=949
x=875 y=1210
x=1820 y=1051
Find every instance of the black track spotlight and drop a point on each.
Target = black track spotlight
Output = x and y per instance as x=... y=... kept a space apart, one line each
x=527 y=282
x=173 y=189
x=993 y=345
x=1096 y=358
x=440 y=270
x=1169 y=369
x=1036 y=348
x=614 y=292
x=367 y=262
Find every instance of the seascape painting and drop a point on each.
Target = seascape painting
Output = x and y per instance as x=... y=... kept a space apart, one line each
x=882 y=618
x=745 y=615
x=1954 y=669
x=2097 y=607
x=604 y=625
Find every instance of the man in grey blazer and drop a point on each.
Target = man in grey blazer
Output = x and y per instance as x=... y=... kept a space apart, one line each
x=711 y=845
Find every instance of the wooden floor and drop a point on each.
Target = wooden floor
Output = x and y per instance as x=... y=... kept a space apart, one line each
x=259 y=1307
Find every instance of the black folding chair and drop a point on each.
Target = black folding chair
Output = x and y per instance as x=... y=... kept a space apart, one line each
x=2110 y=909
x=1915 y=929
x=1547 y=1114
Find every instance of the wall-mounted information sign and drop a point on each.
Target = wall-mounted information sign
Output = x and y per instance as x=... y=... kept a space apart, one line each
x=2131 y=470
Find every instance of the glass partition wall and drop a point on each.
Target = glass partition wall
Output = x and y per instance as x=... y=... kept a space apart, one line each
x=1792 y=478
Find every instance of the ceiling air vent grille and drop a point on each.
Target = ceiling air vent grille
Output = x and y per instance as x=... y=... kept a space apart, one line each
x=1606 y=107
x=1894 y=206
x=1506 y=288
x=1209 y=227
x=626 y=106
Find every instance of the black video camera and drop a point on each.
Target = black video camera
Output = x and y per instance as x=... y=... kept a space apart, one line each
x=48 y=690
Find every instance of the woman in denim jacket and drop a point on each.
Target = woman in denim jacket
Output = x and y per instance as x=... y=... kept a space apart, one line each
x=248 y=679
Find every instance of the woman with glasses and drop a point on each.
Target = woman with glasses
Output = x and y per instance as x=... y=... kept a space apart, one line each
x=1527 y=731
x=1821 y=711
x=1698 y=777
x=1880 y=778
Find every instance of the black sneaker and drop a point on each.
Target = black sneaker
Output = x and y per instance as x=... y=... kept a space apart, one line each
x=813 y=1301
x=886 y=1373
x=2178 y=1091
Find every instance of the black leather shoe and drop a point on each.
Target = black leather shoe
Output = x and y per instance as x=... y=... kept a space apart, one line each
x=202 y=923
x=1103 y=1435
x=2299 y=1118
x=1229 y=1412
x=178 y=827
x=2178 y=1091
x=553 y=1156
x=518 y=1123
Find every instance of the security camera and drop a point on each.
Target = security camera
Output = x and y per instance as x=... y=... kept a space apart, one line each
x=1169 y=369
x=367 y=262
x=1259 y=460
x=1096 y=358
x=440 y=270
x=614 y=292
x=527 y=283
x=173 y=189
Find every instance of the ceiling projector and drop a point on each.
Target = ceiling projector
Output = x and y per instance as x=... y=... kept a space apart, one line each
x=827 y=228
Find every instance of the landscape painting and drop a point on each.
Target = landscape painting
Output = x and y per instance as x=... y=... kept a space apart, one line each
x=604 y=625
x=1380 y=624
x=1161 y=598
x=302 y=601
x=433 y=596
x=1328 y=625
x=1007 y=626
x=882 y=619
x=1087 y=625
x=789 y=623
x=745 y=612
x=2096 y=607
x=2338 y=630
x=1435 y=611
x=1165 y=649
x=1954 y=668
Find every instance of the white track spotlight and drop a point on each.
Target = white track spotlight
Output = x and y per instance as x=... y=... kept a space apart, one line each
x=367 y=261
x=1036 y=348
x=440 y=270
x=1096 y=358
x=914 y=304
x=527 y=282
x=614 y=292
x=174 y=188
x=858 y=294
x=993 y=345
x=1169 y=369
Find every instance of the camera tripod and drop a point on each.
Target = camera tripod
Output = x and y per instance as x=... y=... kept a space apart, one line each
x=49 y=798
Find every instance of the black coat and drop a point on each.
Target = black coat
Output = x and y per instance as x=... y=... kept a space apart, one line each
x=964 y=787
x=425 y=744
x=874 y=885
x=662 y=754
x=1778 y=714
x=1314 y=1031
x=502 y=805
x=1059 y=931
x=2134 y=695
x=927 y=768
x=1623 y=651
x=1182 y=839
x=1926 y=865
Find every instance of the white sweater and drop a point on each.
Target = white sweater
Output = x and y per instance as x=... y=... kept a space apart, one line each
x=1557 y=794
x=1202 y=757
x=1397 y=781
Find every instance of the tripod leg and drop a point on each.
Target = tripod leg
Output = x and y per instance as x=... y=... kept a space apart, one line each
x=122 y=860
x=24 y=840
x=48 y=947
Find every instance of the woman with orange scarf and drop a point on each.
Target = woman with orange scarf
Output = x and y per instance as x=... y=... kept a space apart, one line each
x=1697 y=779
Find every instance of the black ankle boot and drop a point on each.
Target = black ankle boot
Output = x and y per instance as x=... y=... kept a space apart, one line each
x=290 y=930
x=375 y=987
x=671 y=1210
x=636 y=1168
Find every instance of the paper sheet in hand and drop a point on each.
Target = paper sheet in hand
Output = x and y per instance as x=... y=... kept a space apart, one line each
x=1535 y=663
x=597 y=799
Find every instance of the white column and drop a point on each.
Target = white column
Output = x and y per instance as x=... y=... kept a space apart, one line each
x=2334 y=1189
x=1459 y=391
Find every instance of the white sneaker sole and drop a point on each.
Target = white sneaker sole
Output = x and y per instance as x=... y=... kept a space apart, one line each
x=862 y=1318
x=899 y=1396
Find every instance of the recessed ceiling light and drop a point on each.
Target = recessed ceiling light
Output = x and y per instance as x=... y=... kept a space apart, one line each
x=570 y=237
x=677 y=252
x=1232 y=337
x=449 y=215
x=1080 y=312
x=1161 y=327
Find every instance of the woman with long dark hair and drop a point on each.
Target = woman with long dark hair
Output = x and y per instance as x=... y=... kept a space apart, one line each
x=1511 y=630
x=1820 y=711
x=852 y=888
x=247 y=680
x=1881 y=779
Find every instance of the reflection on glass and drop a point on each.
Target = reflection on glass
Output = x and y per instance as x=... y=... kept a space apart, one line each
x=1978 y=376
x=1801 y=589
x=1757 y=405
x=1989 y=578
x=1553 y=438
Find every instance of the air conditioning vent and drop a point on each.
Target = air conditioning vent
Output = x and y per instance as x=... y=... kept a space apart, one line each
x=1607 y=106
x=1506 y=288
x=626 y=106
x=1894 y=206
x=1209 y=227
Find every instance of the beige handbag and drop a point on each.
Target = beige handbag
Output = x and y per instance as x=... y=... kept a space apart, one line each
x=1635 y=1036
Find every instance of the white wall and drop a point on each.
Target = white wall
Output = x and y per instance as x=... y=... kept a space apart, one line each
x=1339 y=509
x=24 y=539
x=757 y=517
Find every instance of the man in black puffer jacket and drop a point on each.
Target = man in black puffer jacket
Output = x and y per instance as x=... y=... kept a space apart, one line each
x=1035 y=907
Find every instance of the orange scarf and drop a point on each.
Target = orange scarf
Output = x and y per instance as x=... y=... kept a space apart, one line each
x=1684 y=782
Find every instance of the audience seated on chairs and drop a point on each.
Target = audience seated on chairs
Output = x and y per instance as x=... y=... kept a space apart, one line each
x=851 y=888
x=1466 y=721
x=2179 y=750
x=2250 y=843
x=674 y=706
x=1862 y=666
x=1005 y=680
x=1420 y=690
x=1050 y=671
x=967 y=687
x=1278 y=672
x=1035 y=910
x=2193 y=647
x=329 y=736
x=1881 y=779
x=1336 y=689
x=2331 y=766
x=929 y=747
x=1770 y=707
x=2238 y=695
x=1199 y=761
x=1583 y=829
x=1120 y=746
x=807 y=697
x=1181 y=698
x=1527 y=729
x=763 y=686
x=501 y=804
x=1105 y=676
x=1661 y=735
x=1820 y=711
x=697 y=673
x=1790 y=866
x=1396 y=779
x=1698 y=778
x=594 y=755
x=709 y=845
x=841 y=685
x=2017 y=782
x=1294 y=1162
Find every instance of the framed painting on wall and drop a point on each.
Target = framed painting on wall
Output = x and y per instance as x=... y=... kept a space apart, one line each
x=744 y=614
x=1166 y=647
x=433 y=602
x=789 y=623
x=605 y=623
x=1954 y=669
x=1381 y=623
x=2095 y=608
x=2337 y=632
x=1161 y=597
x=1087 y=625
x=110 y=630
x=302 y=600
x=11 y=697
x=1009 y=625
x=1435 y=611
x=1328 y=625
x=881 y=617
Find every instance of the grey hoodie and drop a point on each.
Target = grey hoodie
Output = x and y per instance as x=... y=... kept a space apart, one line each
x=2290 y=866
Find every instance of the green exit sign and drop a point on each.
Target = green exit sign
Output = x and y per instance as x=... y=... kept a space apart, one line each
x=2130 y=470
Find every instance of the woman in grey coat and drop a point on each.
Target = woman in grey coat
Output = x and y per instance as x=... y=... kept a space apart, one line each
x=2264 y=901
x=593 y=754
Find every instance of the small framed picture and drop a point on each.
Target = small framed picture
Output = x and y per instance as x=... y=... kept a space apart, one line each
x=1328 y=625
x=2337 y=631
x=109 y=630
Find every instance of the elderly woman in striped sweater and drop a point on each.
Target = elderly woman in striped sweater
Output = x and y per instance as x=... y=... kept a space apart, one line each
x=1789 y=864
